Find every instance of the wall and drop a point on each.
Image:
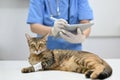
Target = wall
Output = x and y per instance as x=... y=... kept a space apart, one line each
x=106 y=47
x=107 y=19
x=13 y=45
x=13 y=27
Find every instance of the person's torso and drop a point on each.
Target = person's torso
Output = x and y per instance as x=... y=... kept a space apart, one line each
x=66 y=9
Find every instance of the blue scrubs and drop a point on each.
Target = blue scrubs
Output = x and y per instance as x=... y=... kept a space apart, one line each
x=71 y=10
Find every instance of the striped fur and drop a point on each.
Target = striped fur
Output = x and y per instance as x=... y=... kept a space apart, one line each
x=66 y=60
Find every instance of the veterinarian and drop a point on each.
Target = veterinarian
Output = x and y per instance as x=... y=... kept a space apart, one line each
x=50 y=16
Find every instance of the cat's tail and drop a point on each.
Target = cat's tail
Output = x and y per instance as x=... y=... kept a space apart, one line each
x=106 y=73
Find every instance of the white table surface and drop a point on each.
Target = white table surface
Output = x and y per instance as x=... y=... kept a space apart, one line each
x=11 y=70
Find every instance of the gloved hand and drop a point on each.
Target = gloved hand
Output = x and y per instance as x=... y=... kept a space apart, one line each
x=77 y=37
x=58 y=25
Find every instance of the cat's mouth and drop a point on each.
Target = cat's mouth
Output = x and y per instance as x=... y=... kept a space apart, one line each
x=37 y=52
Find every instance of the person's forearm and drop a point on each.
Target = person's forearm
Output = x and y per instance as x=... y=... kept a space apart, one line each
x=40 y=29
x=87 y=31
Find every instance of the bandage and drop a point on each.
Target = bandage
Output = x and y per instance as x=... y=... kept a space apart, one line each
x=37 y=66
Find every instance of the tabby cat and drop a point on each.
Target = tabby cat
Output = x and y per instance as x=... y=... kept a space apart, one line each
x=84 y=62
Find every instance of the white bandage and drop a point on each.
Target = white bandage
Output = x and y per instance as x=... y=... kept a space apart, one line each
x=37 y=66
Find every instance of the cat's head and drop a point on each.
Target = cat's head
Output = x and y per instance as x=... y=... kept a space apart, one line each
x=37 y=44
x=38 y=49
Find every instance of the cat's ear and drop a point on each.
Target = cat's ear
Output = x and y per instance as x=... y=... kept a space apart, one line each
x=27 y=36
x=46 y=36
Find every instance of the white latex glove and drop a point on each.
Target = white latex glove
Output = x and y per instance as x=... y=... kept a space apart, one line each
x=58 y=25
x=72 y=37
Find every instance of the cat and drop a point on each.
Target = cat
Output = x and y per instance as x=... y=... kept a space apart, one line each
x=84 y=62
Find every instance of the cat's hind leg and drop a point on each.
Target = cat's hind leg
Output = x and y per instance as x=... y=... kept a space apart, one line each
x=96 y=72
x=94 y=68
x=88 y=73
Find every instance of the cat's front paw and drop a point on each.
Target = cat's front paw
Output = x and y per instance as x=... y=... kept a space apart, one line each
x=27 y=70
x=44 y=64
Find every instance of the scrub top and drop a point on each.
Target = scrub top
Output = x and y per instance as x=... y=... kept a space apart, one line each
x=40 y=11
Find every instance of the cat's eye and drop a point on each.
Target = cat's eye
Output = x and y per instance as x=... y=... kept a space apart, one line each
x=32 y=45
x=44 y=58
x=41 y=45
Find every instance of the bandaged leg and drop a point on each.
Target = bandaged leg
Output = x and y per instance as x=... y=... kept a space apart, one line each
x=37 y=66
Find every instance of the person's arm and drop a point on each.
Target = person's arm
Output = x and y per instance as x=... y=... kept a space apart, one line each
x=85 y=14
x=87 y=31
x=40 y=29
x=52 y=30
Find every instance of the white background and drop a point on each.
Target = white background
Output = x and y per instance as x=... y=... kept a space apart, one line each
x=104 y=39
x=13 y=72
x=107 y=17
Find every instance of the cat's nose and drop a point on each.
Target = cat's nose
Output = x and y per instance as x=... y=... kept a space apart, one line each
x=36 y=48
